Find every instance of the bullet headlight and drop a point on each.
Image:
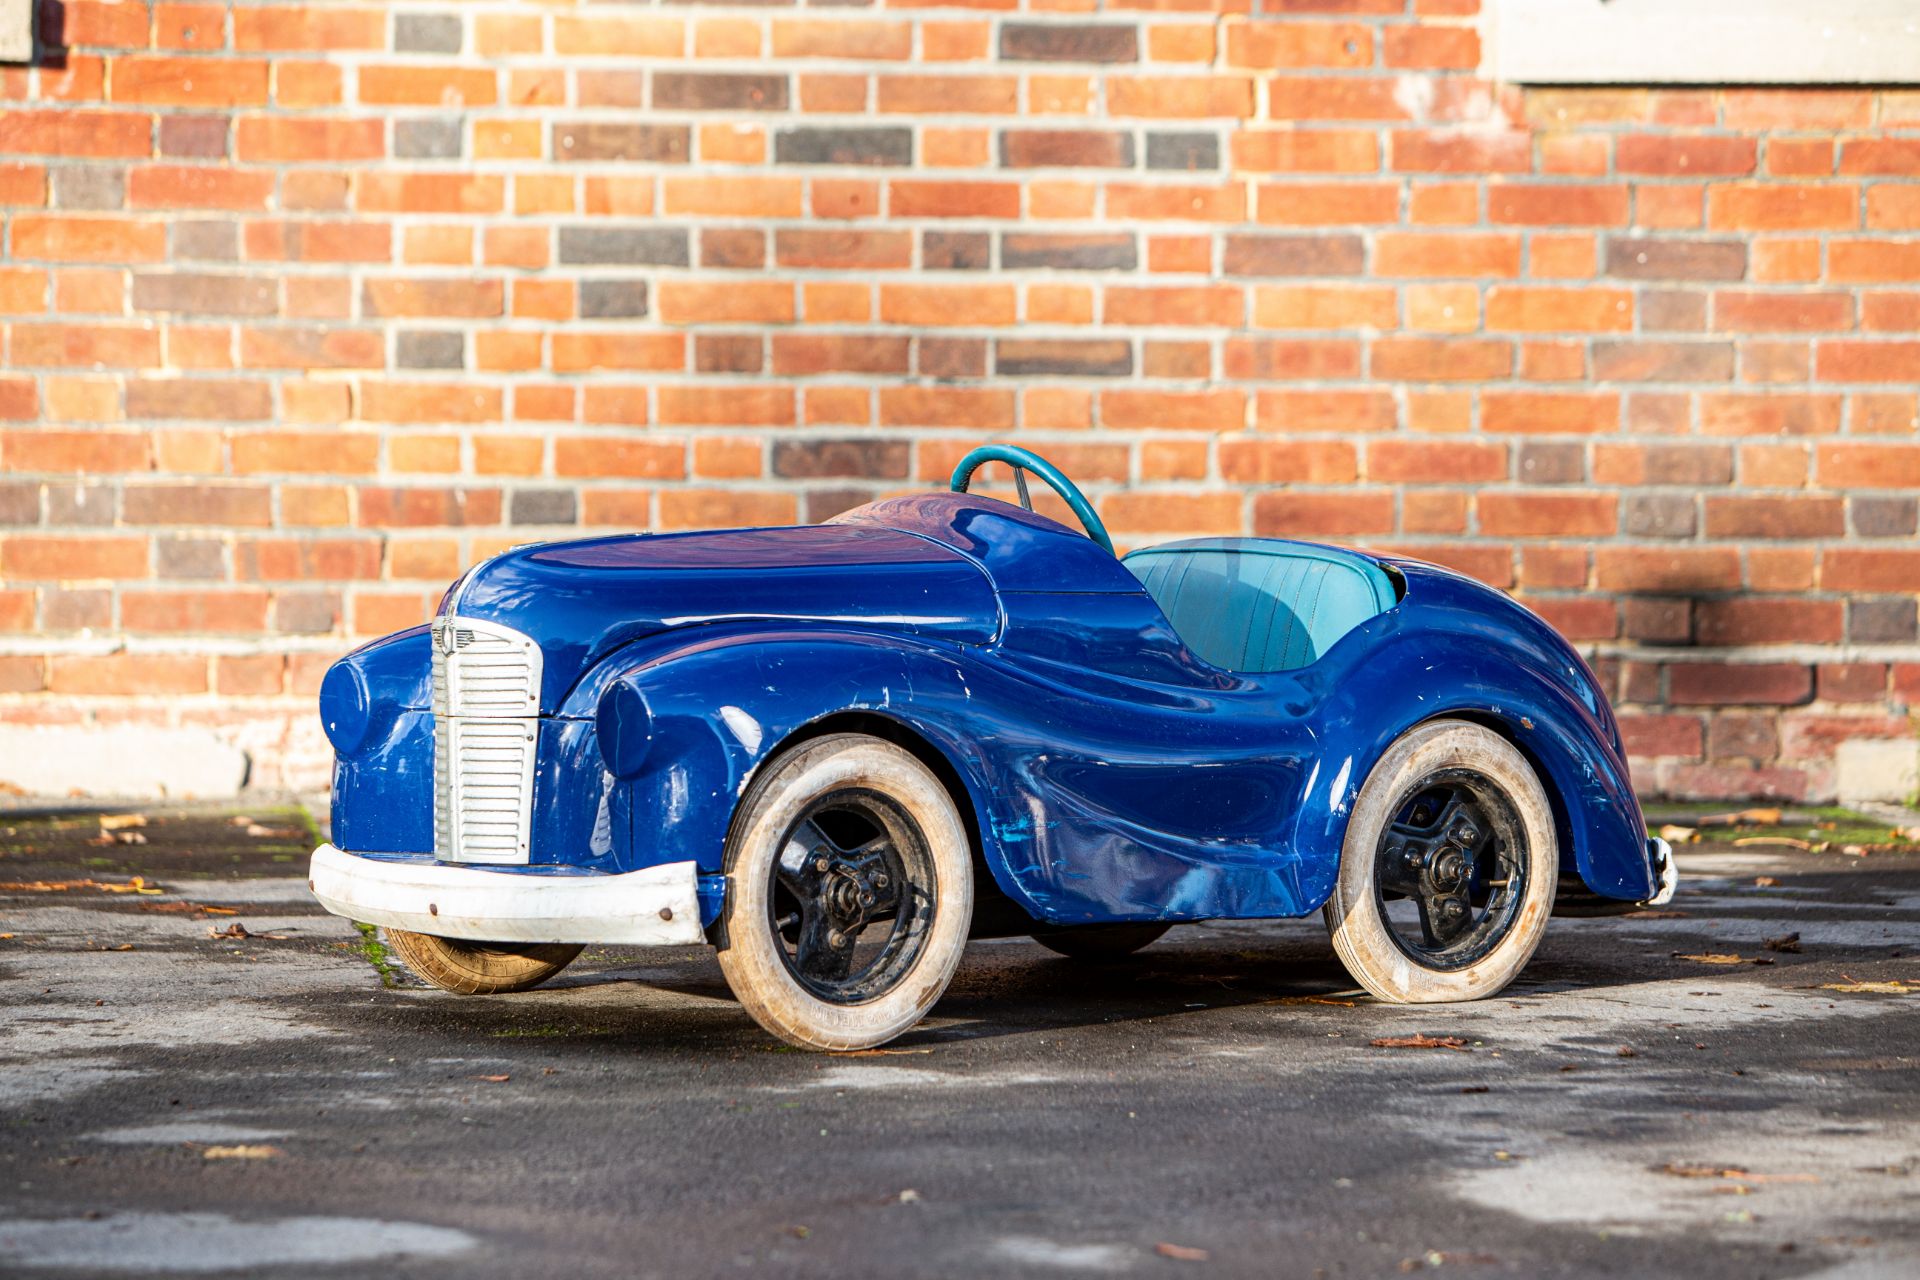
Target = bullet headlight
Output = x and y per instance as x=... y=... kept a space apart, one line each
x=624 y=725
x=346 y=709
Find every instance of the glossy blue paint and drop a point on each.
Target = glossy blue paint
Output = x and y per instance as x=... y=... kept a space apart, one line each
x=1112 y=772
x=1027 y=460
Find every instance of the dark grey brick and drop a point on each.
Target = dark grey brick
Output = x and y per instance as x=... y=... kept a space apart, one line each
x=305 y=612
x=426 y=33
x=82 y=504
x=89 y=186
x=1103 y=251
x=544 y=506
x=1557 y=462
x=72 y=609
x=1660 y=515
x=624 y=246
x=825 y=504
x=821 y=145
x=206 y=241
x=603 y=140
x=1283 y=255
x=19 y=502
x=1883 y=620
x=814 y=459
x=613 y=299
x=190 y=558
x=953 y=358
x=1657 y=258
x=427 y=139
x=1190 y=151
x=430 y=349
x=956 y=250
x=1884 y=517
x=718 y=91
x=198 y=294
x=1069 y=42
x=1067 y=357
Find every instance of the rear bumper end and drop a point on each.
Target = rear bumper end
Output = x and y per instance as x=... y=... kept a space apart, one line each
x=657 y=906
x=1660 y=854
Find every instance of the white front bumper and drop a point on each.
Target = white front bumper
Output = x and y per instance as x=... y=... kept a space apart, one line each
x=1663 y=866
x=658 y=906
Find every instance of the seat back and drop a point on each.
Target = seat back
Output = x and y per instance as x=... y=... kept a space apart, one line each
x=1261 y=604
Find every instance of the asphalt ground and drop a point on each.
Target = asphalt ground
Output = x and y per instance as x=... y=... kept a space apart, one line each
x=288 y=1104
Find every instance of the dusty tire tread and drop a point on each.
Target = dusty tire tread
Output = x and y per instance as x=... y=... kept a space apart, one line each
x=480 y=968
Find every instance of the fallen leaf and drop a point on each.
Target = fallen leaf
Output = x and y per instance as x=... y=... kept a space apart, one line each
x=1744 y=818
x=494 y=1079
x=1626 y=1051
x=1422 y=1042
x=244 y=1151
x=1894 y=988
x=1181 y=1252
x=259 y=832
x=1789 y=841
x=136 y=885
x=1701 y=1171
x=1766 y=882
x=1675 y=834
x=1711 y=958
x=238 y=931
x=882 y=1053
x=1656 y=915
x=1342 y=1004
x=1789 y=942
x=121 y=821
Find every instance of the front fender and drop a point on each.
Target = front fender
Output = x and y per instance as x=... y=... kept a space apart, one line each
x=721 y=704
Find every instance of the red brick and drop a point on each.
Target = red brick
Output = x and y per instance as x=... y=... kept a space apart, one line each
x=1839 y=361
x=1683 y=156
x=1870 y=570
x=1666 y=570
x=1557 y=205
x=1851 y=681
x=1662 y=735
x=1399 y=461
x=105 y=134
x=1438 y=359
x=1352 y=513
x=1755 y=312
x=126 y=674
x=1855 y=465
x=189 y=82
x=1554 y=310
x=1776 y=206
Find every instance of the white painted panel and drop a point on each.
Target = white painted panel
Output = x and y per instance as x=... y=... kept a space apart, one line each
x=16 y=30
x=1706 y=41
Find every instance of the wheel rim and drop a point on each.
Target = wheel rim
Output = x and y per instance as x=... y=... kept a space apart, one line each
x=1450 y=870
x=852 y=896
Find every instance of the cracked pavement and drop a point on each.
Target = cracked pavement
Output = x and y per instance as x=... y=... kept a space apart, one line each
x=178 y=1103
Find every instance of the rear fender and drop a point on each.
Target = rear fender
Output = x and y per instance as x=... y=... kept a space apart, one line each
x=1523 y=691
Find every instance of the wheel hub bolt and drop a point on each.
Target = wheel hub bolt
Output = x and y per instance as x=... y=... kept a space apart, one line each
x=822 y=865
x=866 y=897
x=880 y=880
x=835 y=938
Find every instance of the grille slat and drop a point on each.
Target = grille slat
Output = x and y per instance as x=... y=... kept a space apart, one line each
x=486 y=702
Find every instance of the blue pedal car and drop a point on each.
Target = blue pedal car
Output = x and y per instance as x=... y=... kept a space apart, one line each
x=837 y=752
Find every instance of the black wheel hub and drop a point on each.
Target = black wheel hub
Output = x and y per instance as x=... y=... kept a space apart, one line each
x=852 y=896
x=1455 y=851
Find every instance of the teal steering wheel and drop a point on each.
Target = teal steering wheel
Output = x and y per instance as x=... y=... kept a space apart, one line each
x=1023 y=461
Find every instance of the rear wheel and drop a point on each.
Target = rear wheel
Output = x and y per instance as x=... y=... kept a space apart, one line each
x=480 y=968
x=1448 y=872
x=1098 y=942
x=849 y=894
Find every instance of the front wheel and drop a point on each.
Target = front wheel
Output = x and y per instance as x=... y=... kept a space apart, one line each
x=1448 y=871
x=849 y=894
x=480 y=968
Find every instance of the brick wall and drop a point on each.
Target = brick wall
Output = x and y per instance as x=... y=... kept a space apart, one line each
x=305 y=307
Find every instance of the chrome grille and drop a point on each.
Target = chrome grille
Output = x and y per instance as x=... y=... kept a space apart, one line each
x=486 y=700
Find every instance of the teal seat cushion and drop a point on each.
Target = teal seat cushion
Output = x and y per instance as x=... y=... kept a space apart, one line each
x=1261 y=604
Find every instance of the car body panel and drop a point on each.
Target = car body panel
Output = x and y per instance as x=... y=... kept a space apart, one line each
x=1111 y=774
